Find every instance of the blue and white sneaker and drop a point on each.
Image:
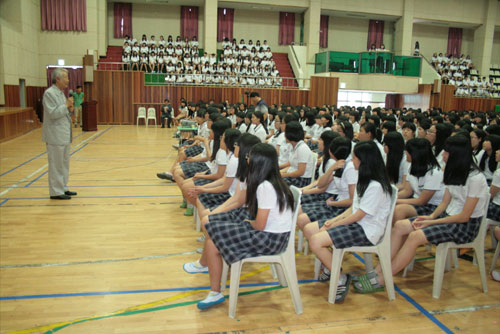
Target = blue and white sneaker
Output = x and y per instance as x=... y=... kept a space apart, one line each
x=212 y=299
x=195 y=268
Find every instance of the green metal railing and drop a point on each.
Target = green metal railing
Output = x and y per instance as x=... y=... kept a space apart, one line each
x=367 y=62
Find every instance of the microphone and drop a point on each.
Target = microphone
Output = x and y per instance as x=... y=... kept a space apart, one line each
x=70 y=92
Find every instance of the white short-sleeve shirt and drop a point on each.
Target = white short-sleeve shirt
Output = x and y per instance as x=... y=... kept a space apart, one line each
x=277 y=222
x=349 y=177
x=376 y=204
x=232 y=167
x=403 y=169
x=475 y=187
x=332 y=187
x=432 y=180
x=285 y=149
x=301 y=153
x=259 y=131
x=220 y=160
x=496 y=182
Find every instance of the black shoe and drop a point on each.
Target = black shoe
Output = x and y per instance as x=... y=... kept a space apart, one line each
x=164 y=176
x=60 y=197
x=343 y=290
x=70 y=193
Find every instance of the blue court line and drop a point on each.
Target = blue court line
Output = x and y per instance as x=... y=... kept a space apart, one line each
x=126 y=292
x=24 y=163
x=415 y=304
x=38 y=177
x=3 y=202
x=131 y=196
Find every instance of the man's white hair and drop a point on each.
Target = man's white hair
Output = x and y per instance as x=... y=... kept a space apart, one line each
x=58 y=73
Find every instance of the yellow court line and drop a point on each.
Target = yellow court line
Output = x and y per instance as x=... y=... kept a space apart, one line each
x=132 y=308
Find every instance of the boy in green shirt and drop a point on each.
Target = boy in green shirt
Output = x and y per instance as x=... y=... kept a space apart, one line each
x=78 y=97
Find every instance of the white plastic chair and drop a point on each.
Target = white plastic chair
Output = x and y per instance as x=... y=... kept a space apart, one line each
x=302 y=242
x=151 y=115
x=382 y=249
x=141 y=113
x=495 y=257
x=287 y=273
x=477 y=244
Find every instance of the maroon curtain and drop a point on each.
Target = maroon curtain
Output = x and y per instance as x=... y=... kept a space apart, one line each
x=75 y=76
x=323 y=31
x=287 y=28
x=455 y=41
x=189 y=22
x=64 y=15
x=225 y=19
x=375 y=34
x=122 y=19
x=392 y=101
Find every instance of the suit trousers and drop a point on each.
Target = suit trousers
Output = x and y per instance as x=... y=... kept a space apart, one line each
x=58 y=168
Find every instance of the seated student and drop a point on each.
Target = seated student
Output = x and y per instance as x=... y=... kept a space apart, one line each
x=214 y=194
x=369 y=131
x=125 y=61
x=313 y=193
x=343 y=128
x=363 y=224
x=456 y=219
x=190 y=175
x=437 y=135
x=134 y=61
x=487 y=161
x=282 y=146
x=144 y=62
x=477 y=139
x=270 y=204
x=494 y=206
x=240 y=122
x=259 y=128
x=325 y=124
x=299 y=169
x=183 y=113
x=341 y=176
x=396 y=165
x=354 y=119
x=409 y=130
x=152 y=62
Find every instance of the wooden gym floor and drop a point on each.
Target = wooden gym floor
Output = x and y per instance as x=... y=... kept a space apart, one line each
x=110 y=259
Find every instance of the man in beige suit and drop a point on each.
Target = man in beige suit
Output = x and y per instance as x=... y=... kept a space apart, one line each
x=57 y=134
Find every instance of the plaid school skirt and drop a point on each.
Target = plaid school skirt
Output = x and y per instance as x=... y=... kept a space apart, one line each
x=202 y=182
x=494 y=212
x=320 y=210
x=458 y=233
x=211 y=201
x=193 y=151
x=346 y=236
x=299 y=182
x=425 y=210
x=191 y=168
x=311 y=198
x=237 y=239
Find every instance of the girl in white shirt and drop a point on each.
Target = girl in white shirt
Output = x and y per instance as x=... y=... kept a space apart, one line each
x=134 y=60
x=363 y=224
x=299 y=169
x=144 y=62
x=494 y=207
x=270 y=203
x=125 y=61
x=456 y=219
x=487 y=163
x=341 y=176
x=424 y=189
x=368 y=131
x=397 y=166
x=437 y=135
x=259 y=128
x=161 y=62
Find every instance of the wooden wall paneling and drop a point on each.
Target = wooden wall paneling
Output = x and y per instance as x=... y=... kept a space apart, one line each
x=33 y=94
x=474 y=103
x=15 y=122
x=11 y=93
x=324 y=90
x=446 y=97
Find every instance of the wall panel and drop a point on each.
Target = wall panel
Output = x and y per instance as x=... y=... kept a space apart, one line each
x=324 y=90
x=11 y=94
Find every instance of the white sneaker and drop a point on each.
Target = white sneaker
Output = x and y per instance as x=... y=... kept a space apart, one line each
x=496 y=275
x=212 y=299
x=201 y=239
x=195 y=268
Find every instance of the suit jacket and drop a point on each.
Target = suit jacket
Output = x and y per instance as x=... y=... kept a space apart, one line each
x=56 y=129
x=168 y=113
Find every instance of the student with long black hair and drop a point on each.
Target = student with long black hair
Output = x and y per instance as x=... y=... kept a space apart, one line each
x=215 y=193
x=369 y=131
x=240 y=122
x=494 y=207
x=341 y=177
x=476 y=139
x=188 y=173
x=344 y=128
x=423 y=189
x=487 y=162
x=312 y=193
x=363 y=224
x=456 y=219
x=259 y=128
x=396 y=164
x=437 y=135
x=299 y=169
x=270 y=203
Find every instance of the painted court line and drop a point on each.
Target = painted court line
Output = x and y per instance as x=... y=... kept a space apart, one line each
x=112 y=186
x=117 y=196
x=57 y=264
x=34 y=158
x=16 y=185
